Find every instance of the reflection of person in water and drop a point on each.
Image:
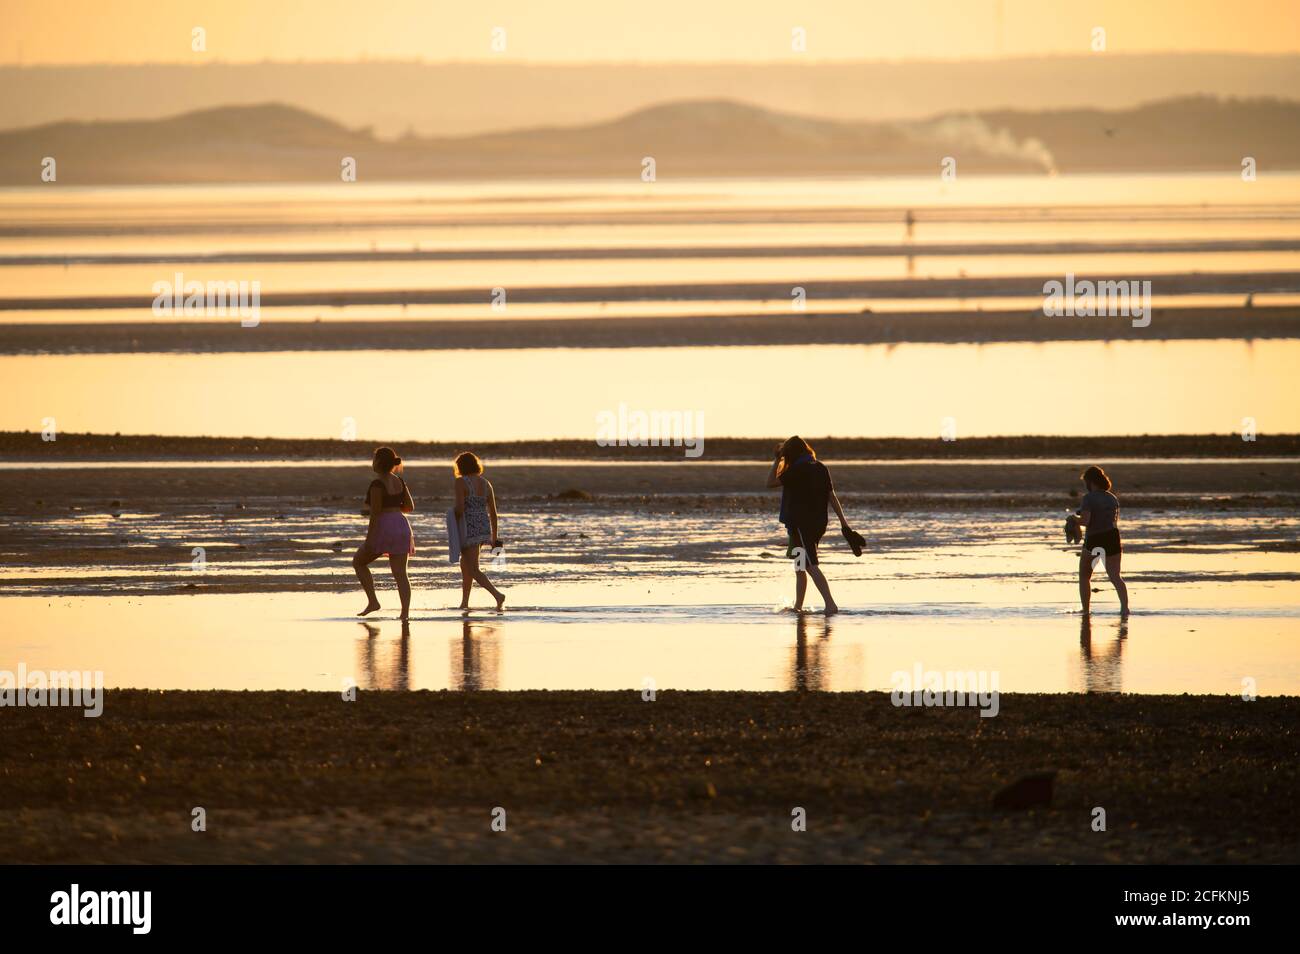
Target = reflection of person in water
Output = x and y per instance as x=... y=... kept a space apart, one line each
x=809 y=670
x=393 y=669
x=1099 y=515
x=475 y=655
x=1101 y=672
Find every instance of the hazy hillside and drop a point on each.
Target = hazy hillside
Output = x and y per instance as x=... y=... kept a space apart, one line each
x=277 y=143
x=1192 y=133
x=452 y=99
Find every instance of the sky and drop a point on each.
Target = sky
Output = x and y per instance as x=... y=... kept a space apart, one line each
x=575 y=31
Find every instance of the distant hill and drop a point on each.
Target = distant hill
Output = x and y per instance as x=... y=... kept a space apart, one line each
x=459 y=99
x=278 y=143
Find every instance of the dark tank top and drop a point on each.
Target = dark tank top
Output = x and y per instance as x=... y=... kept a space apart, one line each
x=390 y=500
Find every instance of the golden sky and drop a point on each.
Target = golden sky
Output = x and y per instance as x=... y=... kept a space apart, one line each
x=136 y=31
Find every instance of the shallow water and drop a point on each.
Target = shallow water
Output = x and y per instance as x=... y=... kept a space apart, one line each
x=692 y=601
x=548 y=215
x=1083 y=388
x=307 y=641
x=601 y=600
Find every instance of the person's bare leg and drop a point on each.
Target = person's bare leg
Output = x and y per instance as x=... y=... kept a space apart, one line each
x=397 y=563
x=467 y=573
x=1121 y=590
x=361 y=563
x=1085 y=580
x=823 y=587
x=800 y=588
x=481 y=578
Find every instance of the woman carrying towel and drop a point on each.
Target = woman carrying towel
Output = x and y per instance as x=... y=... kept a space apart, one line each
x=1099 y=515
x=389 y=533
x=476 y=508
x=806 y=489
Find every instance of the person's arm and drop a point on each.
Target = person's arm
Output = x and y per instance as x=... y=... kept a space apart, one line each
x=492 y=509
x=376 y=508
x=408 y=502
x=835 y=504
x=773 y=481
x=458 y=496
x=1084 y=516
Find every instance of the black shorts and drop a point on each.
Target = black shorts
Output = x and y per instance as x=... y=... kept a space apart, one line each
x=1108 y=540
x=806 y=537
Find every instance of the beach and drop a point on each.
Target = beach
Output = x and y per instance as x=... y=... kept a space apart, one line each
x=180 y=500
x=610 y=777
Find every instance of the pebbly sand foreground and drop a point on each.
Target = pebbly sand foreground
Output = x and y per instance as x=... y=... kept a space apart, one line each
x=610 y=777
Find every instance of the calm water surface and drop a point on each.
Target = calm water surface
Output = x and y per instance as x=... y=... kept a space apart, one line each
x=907 y=390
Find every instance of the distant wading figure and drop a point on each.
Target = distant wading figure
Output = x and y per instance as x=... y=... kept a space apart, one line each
x=805 y=491
x=389 y=533
x=1099 y=513
x=476 y=507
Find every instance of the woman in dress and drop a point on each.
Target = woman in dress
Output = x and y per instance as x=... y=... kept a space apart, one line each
x=1099 y=514
x=389 y=533
x=476 y=511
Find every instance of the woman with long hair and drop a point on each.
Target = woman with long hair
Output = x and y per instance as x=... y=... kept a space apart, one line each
x=1099 y=515
x=389 y=533
x=476 y=510
x=806 y=489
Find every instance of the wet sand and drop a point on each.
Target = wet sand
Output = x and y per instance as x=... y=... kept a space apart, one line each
x=657 y=332
x=95 y=516
x=1201 y=485
x=1010 y=286
x=608 y=777
x=607 y=252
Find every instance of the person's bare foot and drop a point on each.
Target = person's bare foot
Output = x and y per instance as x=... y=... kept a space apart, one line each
x=406 y=616
x=831 y=609
x=370 y=608
x=501 y=602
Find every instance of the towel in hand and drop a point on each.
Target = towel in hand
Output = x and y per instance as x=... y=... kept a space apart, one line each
x=455 y=533
x=1073 y=532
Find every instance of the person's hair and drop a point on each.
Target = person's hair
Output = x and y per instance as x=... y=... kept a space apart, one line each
x=1095 y=476
x=467 y=462
x=794 y=448
x=385 y=461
